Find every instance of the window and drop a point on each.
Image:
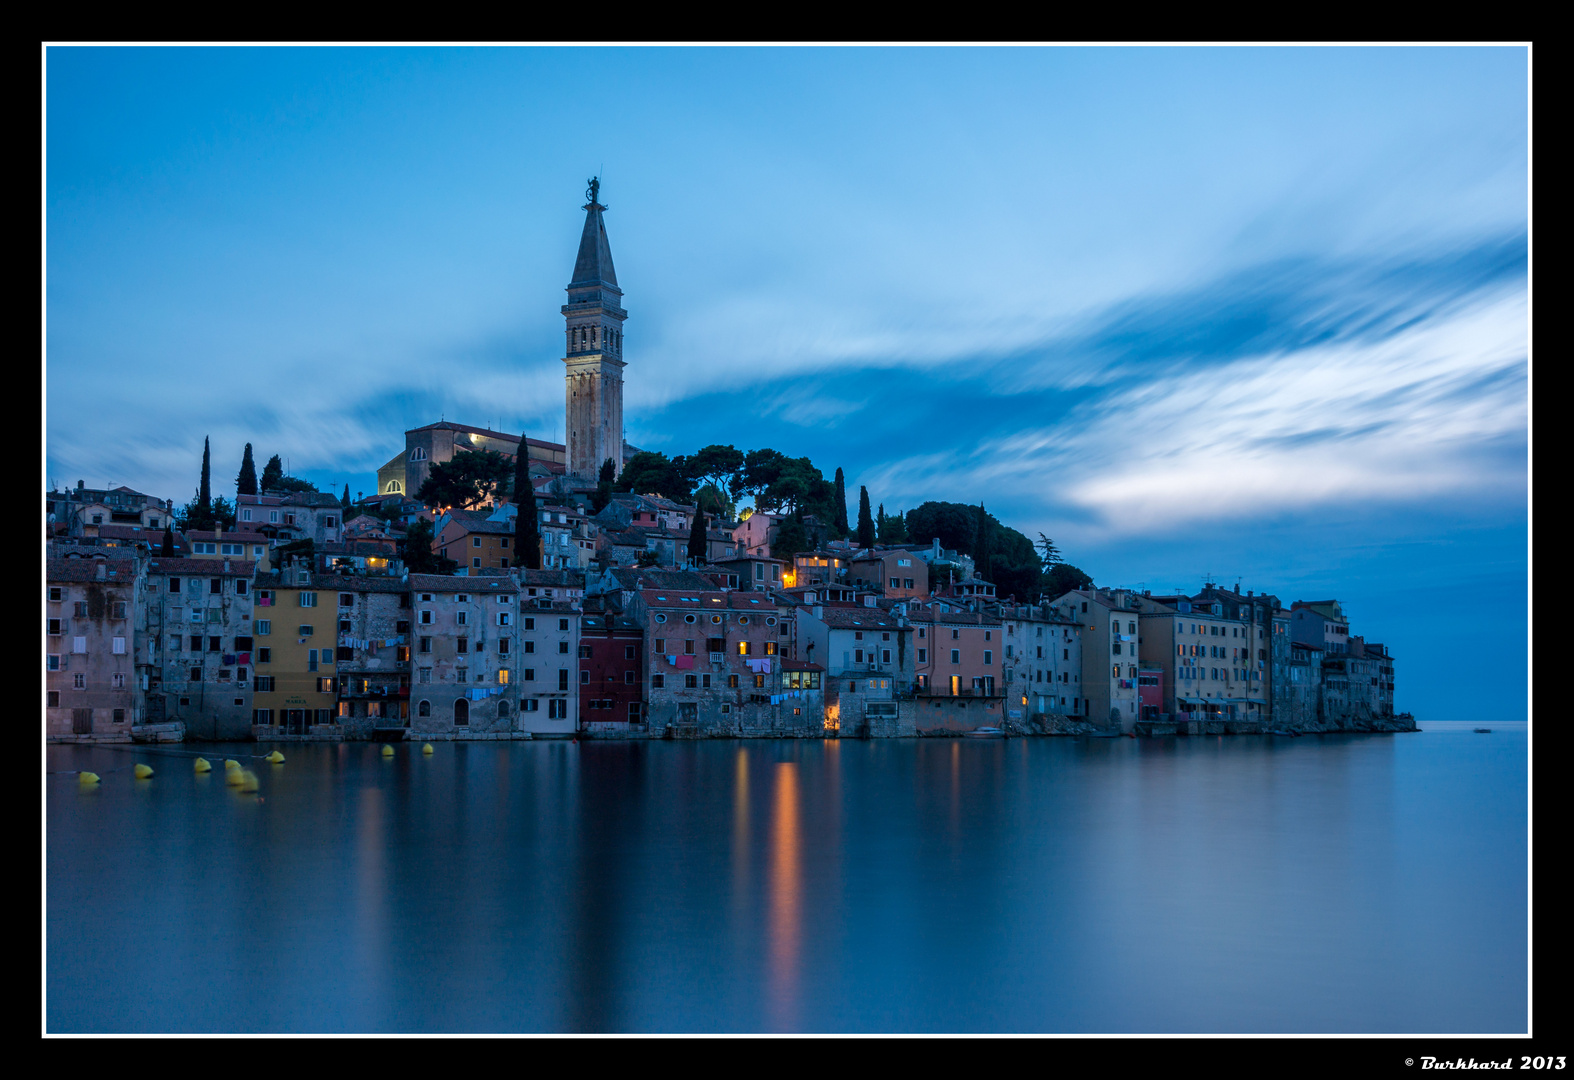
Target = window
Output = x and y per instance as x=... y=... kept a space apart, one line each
x=80 y=609
x=79 y=681
x=658 y=681
x=79 y=644
x=54 y=699
x=196 y=643
x=308 y=599
x=263 y=684
x=54 y=627
x=562 y=624
x=691 y=682
x=956 y=656
x=426 y=645
x=118 y=646
x=503 y=619
x=562 y=647
x=462 y=644
x=745 y=646
x=923 y=656
x=306 y=630
x=562 y=679
x=955 y=633
x=216 y=586
x=55 y=593
x=584 y=677
x=425 y=618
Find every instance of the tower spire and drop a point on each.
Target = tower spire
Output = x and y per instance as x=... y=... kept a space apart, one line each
x=594 y=376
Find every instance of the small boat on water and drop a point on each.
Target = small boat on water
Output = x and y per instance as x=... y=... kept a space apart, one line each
x=1483 y=731
x=984 y=733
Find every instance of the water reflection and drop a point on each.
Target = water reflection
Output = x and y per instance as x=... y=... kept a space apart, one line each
x=786 y=899
x=1336 y=884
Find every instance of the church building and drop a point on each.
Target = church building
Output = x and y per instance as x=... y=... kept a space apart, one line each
x=593 y=390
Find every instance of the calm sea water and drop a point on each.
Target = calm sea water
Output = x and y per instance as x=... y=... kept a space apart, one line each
x=1333 y=884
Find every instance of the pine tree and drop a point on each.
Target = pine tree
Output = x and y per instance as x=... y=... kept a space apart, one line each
x=981 y=541
x=167 y=550
x=697 y=538
x=527 y=533
x=344 y=500
x=865 y=522
x=841 y=506
x=272 y=473
x=246 y=482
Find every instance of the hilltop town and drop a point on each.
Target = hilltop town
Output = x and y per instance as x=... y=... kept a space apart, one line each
x=496 y=587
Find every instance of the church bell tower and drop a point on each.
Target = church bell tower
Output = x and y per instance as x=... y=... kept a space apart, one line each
x=594 y=374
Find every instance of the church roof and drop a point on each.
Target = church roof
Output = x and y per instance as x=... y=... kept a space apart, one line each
x=594 y=264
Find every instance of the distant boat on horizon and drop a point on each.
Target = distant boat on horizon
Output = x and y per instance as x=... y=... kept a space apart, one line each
x=984 y=733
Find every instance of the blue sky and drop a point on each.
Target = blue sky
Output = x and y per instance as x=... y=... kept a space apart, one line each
x=1260 y=313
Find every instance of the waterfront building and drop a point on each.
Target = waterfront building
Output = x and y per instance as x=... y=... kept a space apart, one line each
x=294 y=625
x=1109 y=653
x=371 y=650
x=1041 y=661
x=868 y=656
x=548 y=661
x=958 y=673
x=91 y=664
x=466 y=656
x=714 y=662
x=611 y=669
x=200 y=644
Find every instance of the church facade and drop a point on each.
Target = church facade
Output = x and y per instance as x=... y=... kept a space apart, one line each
x=593 y=386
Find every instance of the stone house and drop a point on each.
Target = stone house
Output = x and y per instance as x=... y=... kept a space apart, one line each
x=1041 y=662
x=715 y=660
x=80 y=511
x=92 y=609
x=868 y=655
x=218 y=544
x=372 y=631
x=201 y=644
x=466 y=656
x=476 y=541
x=958 y=667
x=897 y=573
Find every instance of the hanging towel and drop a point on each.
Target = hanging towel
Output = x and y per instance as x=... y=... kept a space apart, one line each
x=243 y=658
x=685 y=663
x=672 y=660
x=228 y=658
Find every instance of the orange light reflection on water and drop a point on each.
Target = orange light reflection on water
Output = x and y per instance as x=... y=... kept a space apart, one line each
x=786 y=898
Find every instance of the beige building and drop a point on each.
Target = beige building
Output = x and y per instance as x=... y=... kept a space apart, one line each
x=1110 y=655
x=899 y=574
x=1042 y=662
x=467 y=657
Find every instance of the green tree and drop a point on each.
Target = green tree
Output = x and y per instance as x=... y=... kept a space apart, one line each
x=890 y=529
x=981 y=546
x=272 y=472
x=865 y=521
x=609 y=472
x=246 y=482
x=1049 y=554
x=697 y=547
x=344 y=500
x=791 y=538
x=527 y=530
x=466 y=480
x=841 y=506
x=715 y=465
x=647 y=558
x=222 y=513
x=287 y=484
x=713 y=500
x=417 y=551
x=167 y=549
x=651 y=473
x=1062 y=578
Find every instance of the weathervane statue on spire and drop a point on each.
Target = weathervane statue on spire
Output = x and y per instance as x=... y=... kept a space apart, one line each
x=594 y=189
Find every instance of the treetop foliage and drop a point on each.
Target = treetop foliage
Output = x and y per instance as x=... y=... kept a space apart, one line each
x=466 y=480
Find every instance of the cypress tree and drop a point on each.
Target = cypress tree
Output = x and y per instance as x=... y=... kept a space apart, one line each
x=344 y=500
x=697 y=537
x=981 y=539
x=841 y=505
x=865 y=522
x=205 y=493
x=527 y=533
x=272 y=473
x=246 y=482
x=609 y=472
x=167 y=549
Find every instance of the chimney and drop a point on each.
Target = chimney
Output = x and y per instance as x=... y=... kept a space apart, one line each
x=1248 y=592
x=98 y=571
x=80 y=485
x=226 y=566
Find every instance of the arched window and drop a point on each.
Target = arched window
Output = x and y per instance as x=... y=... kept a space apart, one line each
x=418 y=454
x=395 y=487
x=502 y=710
x=424 y=708
x=461 y=711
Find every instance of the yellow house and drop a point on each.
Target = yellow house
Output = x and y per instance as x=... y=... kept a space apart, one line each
x=294 y=632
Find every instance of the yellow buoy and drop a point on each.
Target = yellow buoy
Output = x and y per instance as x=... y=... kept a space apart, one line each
x=426 y=748
x=275 y=757
x=202 y=765
x=231 y=764
x=246 y=780
x=142 y=772
x=387 y=750
x=87 y=778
